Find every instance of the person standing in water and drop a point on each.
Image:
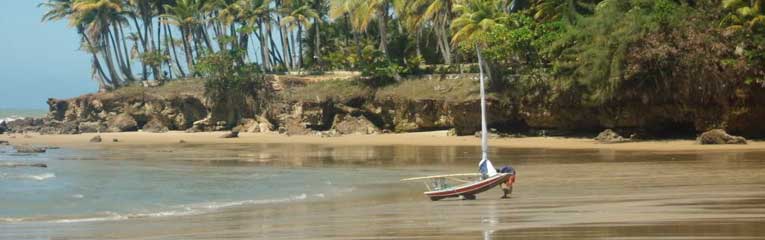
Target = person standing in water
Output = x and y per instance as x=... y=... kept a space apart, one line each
x=507 y=187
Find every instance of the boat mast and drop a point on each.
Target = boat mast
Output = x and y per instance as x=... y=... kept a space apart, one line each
x=484 y=133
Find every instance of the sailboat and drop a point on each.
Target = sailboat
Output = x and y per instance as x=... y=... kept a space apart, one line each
x=468 y=184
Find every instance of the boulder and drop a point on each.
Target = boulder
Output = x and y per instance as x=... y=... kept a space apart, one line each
x=29 y=149
x=232 y=134
x=719 y=136
x=96 y=139
x=3 y=142
x=115 y=140
x=294 y=126
x=59 y=127
x=260 y=124
x=122 y=123
x=156 y=125
x=199 y=126
x=3 y=127
x=609 y=136
x=91 y=127
x=354 y=125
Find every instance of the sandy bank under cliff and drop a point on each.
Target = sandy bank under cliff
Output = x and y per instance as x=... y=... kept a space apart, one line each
x=436 y=138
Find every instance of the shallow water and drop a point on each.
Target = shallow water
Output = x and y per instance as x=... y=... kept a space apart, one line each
x=278 y=191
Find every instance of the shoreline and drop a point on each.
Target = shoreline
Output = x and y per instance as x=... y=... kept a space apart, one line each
x=433 y=138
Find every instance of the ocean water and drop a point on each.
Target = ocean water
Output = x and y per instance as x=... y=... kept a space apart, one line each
x=120 y=184
x=8 y=114
x=299 y=191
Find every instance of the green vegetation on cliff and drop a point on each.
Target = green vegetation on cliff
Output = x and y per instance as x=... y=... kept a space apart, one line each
x=682 y=64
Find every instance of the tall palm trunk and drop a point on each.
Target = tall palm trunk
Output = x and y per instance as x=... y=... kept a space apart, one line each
x=115 y=47
x=125 y=50
x=286 y=51
x=382 y=25
x=109 y=62
x=103 y=79
x=144 y=68
x=264 y=48
x=317 y=38
x=187 y=49
x=169 y=40
x=299 y=42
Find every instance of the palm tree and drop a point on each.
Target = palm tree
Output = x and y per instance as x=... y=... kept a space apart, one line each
x=257 y=14
x=568 y=10
x=185 y=15
x=363 y=12
x=96 y=16
x=439 y=14
x=476 y=17
x=299 y=15
x=62 y=9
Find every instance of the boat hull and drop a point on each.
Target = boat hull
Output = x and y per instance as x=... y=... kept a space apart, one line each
x=469 y=191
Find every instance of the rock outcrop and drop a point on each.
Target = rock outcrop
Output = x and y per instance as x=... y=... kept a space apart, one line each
x=609 y=136
x=719 y=136
x=232 y=134
x=91 y=127
x=29 y=149
x=96 y=139
x=354 y=125
x=157 y=124
x=122 y=123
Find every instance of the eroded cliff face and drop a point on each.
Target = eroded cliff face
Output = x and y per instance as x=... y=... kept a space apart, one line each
x=375 y=114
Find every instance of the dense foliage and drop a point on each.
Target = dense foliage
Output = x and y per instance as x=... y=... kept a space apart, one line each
x=583 y=53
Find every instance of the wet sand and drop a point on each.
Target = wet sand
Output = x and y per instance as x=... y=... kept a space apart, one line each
x=560 y=194
x=436 y=138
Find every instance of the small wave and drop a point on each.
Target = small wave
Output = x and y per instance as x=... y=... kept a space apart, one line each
x=183 y=210
x=38 y=177
x=92 y=219
x=11 y=118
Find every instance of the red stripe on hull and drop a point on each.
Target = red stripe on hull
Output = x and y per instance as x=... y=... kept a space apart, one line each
x=470 y=189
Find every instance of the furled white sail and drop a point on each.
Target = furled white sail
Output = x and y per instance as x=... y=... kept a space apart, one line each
x=487 y=169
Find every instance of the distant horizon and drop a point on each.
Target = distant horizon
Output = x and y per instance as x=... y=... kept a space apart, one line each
x=41 y=59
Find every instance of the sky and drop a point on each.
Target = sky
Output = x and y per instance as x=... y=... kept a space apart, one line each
x=38 y=60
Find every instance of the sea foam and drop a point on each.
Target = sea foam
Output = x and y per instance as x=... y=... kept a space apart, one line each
x=182 y=210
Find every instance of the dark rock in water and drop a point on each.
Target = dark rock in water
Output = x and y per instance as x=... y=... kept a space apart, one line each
x=3 y=127
x=609 y=136
x=3 y=142
x=96 y=139
x=719 y=136
x=115 y=140
x=91 y=127
x=232 y=134
x=40 y=165
x=354 y=125
x=157 y=124
x=122 y=123
x=29 y=149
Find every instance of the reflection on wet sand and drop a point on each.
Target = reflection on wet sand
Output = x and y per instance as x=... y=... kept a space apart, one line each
x=560 y=194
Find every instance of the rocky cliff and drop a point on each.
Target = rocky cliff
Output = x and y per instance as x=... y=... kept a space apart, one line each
x=344 y=107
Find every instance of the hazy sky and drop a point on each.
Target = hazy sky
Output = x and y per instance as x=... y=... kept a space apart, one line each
x=38 y=60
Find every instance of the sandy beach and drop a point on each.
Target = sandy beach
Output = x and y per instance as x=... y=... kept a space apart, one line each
x=434 y=138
